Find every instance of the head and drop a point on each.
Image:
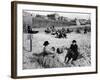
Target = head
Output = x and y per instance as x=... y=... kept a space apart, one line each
x=46 y=43
x=28 y=26
x=53 y=48
x=52 y=26
x=74 y=42
x=59 y=50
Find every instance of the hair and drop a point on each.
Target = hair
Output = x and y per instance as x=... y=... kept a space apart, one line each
x=45 y=43
x=53 y=48
x=59 y=50
x=74 y=41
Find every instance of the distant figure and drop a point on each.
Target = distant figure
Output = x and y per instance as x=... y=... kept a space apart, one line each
x=78 y=31
x=53 y=30
x=72 y=52
x=31 y=31
x=47 y=30
x=58 y=34
x=77 y=22
x=68 y=31
x=85 y=31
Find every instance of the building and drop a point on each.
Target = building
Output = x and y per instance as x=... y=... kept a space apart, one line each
x=53 y=16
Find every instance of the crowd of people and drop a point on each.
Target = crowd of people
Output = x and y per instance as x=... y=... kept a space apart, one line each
x=60 y=33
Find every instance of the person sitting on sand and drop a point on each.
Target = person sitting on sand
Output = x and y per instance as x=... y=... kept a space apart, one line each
x=74 y=48
x=72 y=52
x=46 y=49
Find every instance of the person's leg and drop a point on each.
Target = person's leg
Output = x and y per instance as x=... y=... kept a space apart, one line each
x=65 y=58
x=75 y=56
x=68 y=59
x=71 y=60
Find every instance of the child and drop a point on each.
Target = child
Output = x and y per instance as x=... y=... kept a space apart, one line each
x=74 y=49
x=72 y=52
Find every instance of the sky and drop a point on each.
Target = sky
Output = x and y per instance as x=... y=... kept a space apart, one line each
x=71 y=15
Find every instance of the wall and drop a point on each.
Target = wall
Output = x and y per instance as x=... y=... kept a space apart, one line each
x=5 y=40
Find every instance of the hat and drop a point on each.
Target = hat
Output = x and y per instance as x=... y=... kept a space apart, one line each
x=73 y=41
x=46 y=43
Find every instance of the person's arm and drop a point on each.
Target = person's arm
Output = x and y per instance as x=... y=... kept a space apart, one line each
x=76 y=46
x=48 y=50
x=71 y=46
x=44 y=49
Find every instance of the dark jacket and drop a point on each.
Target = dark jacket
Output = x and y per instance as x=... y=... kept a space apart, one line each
x=74 y=48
